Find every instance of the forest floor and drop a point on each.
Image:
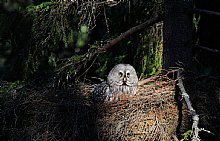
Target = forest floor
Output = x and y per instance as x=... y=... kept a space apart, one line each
x=40 y=111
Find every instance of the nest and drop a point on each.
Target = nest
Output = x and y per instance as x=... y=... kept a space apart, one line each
x=46 y=113
x=152 y=114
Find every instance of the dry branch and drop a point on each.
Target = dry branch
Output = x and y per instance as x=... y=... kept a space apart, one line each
x=185 y=95
x=208 y=49
x=128 y=33
x=93 y=52
x=175 y=138
x=202 y=11
x=144 y=81
x=195 y=117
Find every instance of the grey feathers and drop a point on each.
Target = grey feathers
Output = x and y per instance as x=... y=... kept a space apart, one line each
x=122 y=79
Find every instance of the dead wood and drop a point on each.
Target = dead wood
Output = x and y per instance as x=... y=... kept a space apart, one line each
x=195 y=116
x=129 y=32
x=202 y=11
x=207 y=49
x=144 y=81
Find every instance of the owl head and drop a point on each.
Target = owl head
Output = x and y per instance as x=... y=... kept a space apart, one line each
x=123 y=78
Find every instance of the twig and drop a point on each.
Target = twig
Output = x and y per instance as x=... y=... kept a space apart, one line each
x=195 y=117
x=208 y=49
x=144 y=81
x=175 y=138
x=88 y=68
x=202 y=11
x=184 y=94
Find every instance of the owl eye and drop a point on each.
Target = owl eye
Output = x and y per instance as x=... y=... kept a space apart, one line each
x=128 y=74
x=120 y=74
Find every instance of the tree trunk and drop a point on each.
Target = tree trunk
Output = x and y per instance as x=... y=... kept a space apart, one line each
x=177 y=33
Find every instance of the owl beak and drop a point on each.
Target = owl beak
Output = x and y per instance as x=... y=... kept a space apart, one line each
x=125 y=80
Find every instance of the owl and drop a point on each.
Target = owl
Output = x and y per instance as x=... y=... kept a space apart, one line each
x=122 y=79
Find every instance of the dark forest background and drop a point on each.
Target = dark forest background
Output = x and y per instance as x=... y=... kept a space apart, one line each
x=39 y=37
x=57 y=44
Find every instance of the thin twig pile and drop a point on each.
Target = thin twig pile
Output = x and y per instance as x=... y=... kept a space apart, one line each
x=43 y=112
x=152 y=114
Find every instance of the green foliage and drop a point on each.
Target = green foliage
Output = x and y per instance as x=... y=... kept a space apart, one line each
x=31 y=65
x=71 y=73
x=52 y=60
x=52 y=34
x=82 y=36
x=101 y=71
x=148 y=58
x=196 y=21
x=8 y=91
x=57 y=31
x=44 y=6
x=186 y=136
x=143 y=51
x=109 y=62
x=8 y=87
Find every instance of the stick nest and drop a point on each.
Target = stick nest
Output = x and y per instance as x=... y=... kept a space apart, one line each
x=42 y=112
x=152 y=114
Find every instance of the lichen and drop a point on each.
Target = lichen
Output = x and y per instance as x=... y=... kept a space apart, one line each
x=43 y=6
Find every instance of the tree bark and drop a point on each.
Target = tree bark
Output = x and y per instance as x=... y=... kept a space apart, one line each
x=177 y=33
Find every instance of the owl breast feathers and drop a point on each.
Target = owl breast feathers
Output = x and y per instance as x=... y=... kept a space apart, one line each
x=122 y=79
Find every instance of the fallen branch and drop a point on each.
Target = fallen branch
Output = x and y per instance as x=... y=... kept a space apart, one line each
x=202 y=11
x=195 y=117
x=208 y=49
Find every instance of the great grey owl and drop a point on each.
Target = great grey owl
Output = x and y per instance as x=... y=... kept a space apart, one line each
x=122 y=79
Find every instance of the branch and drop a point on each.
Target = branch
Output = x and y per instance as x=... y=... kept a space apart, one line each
x=93 y=52
x=175 y=138
x=208 y=49
x=128 y=33
x=195 y=117
x=144 y=81
x=202 y=11
x=184 y=94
